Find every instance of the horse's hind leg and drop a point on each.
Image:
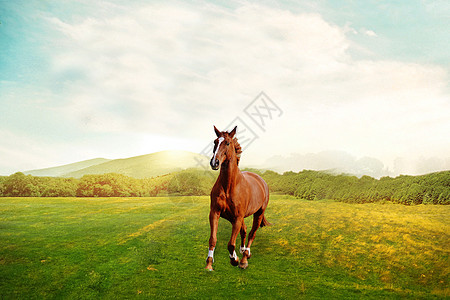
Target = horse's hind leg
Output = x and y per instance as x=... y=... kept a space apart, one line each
x=236 y=227
x=243 y=236
x=257 y=218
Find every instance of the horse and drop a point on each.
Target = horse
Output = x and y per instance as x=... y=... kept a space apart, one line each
x=235 y=196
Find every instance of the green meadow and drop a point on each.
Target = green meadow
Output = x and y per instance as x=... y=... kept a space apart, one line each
x=156 y=247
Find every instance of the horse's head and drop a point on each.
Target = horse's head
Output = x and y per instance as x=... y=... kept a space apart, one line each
x=224 y=147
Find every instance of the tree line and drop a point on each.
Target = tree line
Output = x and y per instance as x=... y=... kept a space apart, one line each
x=311 y=185
x=186 y=182
x=105 y=185
x=432 y=188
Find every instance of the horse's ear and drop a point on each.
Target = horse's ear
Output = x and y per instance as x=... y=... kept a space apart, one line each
x=233 y=132
x=217 y=131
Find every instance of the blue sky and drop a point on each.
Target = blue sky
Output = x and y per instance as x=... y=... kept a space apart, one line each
x=83 y=79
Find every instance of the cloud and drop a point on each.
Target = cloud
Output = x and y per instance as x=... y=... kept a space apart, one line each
x=368 y=32
x=165 y=63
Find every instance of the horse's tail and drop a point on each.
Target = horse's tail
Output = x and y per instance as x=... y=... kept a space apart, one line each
x=264 y=222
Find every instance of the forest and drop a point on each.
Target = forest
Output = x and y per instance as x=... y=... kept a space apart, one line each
x=432 y=188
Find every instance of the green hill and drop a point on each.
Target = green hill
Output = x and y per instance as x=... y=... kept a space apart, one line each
x=60 y=171
x=144 y=166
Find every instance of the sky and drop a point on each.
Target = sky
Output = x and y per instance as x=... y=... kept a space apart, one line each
x=115 y=79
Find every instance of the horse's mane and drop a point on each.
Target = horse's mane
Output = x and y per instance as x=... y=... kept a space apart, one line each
x=238 y=149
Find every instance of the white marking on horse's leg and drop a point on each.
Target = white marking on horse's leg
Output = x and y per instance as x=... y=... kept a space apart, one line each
x=234 y=256
x=243 y=249
x=218 y=145
x=211 y=253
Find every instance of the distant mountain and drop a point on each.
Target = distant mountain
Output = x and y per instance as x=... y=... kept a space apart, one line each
x=143 y=166
x=60 y=171
x=333 y=161
x=343 y=162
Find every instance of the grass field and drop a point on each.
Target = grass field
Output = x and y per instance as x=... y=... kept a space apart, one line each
x=156 y=247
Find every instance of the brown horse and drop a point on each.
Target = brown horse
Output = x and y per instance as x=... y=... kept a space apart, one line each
x=235 y=196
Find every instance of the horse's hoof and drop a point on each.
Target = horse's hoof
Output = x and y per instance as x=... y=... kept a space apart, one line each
x=234 y=263
x=209 y=268
x=243 y=265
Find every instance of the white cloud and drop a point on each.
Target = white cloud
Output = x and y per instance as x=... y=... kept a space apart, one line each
x=368 y=32
x=171 y=61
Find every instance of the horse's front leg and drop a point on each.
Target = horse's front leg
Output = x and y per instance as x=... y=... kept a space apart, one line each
x=236 y=227
x=213 y=223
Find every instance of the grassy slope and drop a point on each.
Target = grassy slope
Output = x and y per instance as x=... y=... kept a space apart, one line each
x=117 y=247
x=62 y=170
x=148 y=165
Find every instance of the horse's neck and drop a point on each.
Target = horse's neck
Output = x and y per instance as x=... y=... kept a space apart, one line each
x=228 y=175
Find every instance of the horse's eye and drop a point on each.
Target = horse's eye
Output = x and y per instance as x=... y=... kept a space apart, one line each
x=228 y=144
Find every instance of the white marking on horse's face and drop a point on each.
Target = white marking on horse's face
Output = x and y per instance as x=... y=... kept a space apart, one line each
x=221 y=139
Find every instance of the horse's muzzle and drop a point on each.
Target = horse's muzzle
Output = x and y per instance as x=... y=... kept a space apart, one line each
x=214 y=164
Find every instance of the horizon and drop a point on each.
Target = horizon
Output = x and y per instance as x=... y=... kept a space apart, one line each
x=367 y=83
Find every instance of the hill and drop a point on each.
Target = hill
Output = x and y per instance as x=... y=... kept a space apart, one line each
x=143 y=166
x=61 y=171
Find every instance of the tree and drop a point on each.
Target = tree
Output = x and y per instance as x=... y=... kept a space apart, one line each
x=19 y=185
